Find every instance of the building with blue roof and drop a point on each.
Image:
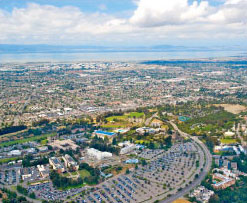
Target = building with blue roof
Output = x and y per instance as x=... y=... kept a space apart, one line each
x=102 y=134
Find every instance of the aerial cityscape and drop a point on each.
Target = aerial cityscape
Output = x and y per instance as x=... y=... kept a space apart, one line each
x=96 y=106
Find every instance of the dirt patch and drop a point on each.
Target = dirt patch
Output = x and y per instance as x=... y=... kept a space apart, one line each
x=181 y=201
x=233 y=108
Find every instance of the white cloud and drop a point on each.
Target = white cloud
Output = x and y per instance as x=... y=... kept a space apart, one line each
x=167 y=12
x=195 y=19
x=233 y=11
x=52 y=23
x=152 y=21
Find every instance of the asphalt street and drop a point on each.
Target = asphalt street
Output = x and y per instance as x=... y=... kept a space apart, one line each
x=202 y=175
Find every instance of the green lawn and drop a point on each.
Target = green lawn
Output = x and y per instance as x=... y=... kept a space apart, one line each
x=74 y=173
x=228 y=141
x=114 y=126
x=8 y=160
x=66 y=174
x=126 y=116
x=41 y=137
x=109 y=119
x=136 y=114
x=84 y=173
x=44 y=142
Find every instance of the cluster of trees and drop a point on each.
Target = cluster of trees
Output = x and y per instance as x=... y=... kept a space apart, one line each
x=213 y=122
x=40 y=122
x=12 y=129
x=242 y=162
x=12 y=197
x=94 y=177
x=24 y=191
x=102 y=145
x=35 y=131
x=236 y=193
x=64 y=182
x=28 y=161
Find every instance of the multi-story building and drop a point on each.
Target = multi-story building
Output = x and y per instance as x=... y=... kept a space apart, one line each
x=224 y=181
x=56 y=164
x=98 y=154
x=44 y=171
x=70 y=162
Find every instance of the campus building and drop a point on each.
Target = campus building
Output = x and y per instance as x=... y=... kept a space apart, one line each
x=224 y=181
x=44 y=171
x=98 y=154
x=128 y=149
x=70 y=162
x=103 y=134
x=56 y=164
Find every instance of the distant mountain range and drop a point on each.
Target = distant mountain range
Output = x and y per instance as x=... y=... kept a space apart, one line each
x=39 y=48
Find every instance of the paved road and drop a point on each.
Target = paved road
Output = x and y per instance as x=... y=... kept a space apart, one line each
x=201 y=176
x=244 y=143
x=147 y=122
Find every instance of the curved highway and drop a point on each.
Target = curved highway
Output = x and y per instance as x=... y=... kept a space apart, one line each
x=202 y=175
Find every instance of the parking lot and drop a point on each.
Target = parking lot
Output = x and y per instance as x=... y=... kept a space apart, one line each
x=10 y=177
x=47 y=192
x=165 y=174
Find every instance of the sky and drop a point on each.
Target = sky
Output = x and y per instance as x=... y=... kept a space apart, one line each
x=124 y=22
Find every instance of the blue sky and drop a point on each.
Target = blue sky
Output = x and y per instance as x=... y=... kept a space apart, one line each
x=108 y=6
x=124 y=22
x=112 y=6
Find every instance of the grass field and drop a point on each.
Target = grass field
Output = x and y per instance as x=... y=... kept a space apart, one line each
x=8 y=160
x=44 y=142
x=135 y=114
x=41 y=137
x=84 y=173
x=74 y=173
x=66 y=174
x=125 y=117
x=228 y=141
x=114 y=126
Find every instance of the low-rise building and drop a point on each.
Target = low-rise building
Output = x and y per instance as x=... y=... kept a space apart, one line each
x=224 y=181
x=98 y=154
x=15 y=153
x=25 y=173
x=56 y=164
x=103 y=134
x=147 y=130
x=132 y=161
x=43 y=149
x=202 y=194
x=44 y=171
x=127 y=149
x=70 y=162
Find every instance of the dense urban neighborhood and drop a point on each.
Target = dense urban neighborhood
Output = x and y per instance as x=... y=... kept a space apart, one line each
x=154 y=131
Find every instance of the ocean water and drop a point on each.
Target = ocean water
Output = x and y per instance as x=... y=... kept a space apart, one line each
x=113 y=56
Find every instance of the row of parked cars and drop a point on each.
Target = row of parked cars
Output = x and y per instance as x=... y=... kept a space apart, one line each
x=120 y=189
x=9 y=177
x=46 y=191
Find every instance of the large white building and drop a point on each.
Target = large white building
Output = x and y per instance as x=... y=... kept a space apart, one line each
x=15 y=153
x=98 y=154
